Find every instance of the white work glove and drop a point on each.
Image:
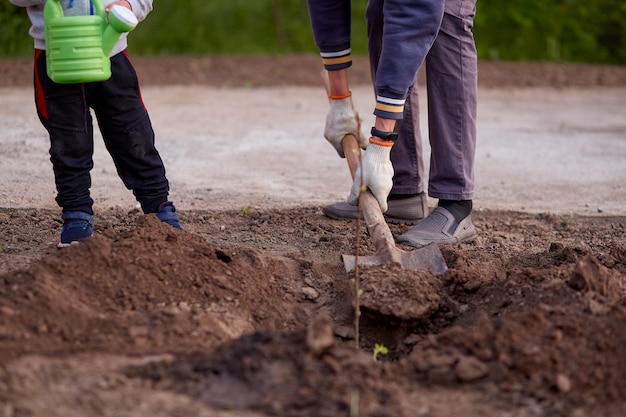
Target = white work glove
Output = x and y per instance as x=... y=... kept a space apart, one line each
x=376 y=173
x=343 y=120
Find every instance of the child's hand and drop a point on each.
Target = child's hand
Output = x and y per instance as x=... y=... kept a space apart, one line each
x=118 y=3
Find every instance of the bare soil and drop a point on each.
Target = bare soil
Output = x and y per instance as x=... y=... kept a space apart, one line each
x=250 y=312
x=303 y=70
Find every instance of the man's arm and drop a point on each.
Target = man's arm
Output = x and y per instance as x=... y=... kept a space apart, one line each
x=331 y=22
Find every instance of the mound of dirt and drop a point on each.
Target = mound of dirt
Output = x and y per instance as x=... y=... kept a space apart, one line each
x=254 y=313
x=139 y=291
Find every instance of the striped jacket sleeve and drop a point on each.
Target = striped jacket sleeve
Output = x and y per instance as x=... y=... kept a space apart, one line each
x=331 y=24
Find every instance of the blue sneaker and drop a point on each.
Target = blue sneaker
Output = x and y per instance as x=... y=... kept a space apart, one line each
x=77 y=226
x=167 y=214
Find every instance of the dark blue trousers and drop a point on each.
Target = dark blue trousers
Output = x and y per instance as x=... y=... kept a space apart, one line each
x=65 y=112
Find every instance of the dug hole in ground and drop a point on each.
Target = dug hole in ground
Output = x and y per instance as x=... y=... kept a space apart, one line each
x=249 y=311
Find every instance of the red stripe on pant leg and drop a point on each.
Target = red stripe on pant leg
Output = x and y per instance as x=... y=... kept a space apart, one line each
x=137 y=76
x=40 y=97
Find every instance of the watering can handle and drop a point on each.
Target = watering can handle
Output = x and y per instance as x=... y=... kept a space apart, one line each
x=99 y=7
x=54 y=7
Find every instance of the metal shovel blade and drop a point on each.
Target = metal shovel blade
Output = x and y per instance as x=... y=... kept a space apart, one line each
x=426 y=258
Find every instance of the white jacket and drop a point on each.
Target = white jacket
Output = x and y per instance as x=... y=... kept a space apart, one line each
x=34 y=8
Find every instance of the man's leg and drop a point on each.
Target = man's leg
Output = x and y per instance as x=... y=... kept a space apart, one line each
x=451 y=73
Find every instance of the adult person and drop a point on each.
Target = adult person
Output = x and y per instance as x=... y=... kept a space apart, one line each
x=451 y=73
x=64 y=111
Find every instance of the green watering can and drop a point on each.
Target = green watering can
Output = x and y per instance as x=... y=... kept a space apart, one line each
x=78 y=47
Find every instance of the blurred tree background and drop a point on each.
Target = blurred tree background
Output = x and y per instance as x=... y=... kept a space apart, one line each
x=592 y=31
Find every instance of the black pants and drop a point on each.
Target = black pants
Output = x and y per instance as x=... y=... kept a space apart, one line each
x=65 y=112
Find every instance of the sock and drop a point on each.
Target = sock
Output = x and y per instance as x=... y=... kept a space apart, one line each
x=460 y=209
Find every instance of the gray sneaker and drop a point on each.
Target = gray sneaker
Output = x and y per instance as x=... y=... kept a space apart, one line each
x=439 y=227
x=407 y=211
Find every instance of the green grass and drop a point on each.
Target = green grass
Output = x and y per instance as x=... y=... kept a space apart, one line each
x=513 y=30
x=558 y=30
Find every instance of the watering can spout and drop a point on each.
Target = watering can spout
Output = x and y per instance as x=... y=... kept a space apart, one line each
x=78 y=47
x=120 y=20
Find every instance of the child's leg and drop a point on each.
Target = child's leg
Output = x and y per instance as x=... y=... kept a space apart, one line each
x=64 y=113
x=128 y=134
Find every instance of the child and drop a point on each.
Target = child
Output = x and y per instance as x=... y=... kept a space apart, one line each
x=64 y=110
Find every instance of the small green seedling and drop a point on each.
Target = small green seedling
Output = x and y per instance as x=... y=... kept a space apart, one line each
x=246 y=211
x=379 y=349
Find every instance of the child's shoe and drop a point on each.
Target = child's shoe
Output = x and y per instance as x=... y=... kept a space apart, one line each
x=167 y=214
x=77 y=226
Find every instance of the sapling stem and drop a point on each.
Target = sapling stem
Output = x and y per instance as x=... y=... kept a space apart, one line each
x=357 y=290
x=357 y=276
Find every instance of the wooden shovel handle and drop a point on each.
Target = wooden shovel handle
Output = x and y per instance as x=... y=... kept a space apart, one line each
x=352 y=152
x=376 y=225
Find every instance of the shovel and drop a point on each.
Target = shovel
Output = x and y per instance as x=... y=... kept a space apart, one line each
x=425 y=258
